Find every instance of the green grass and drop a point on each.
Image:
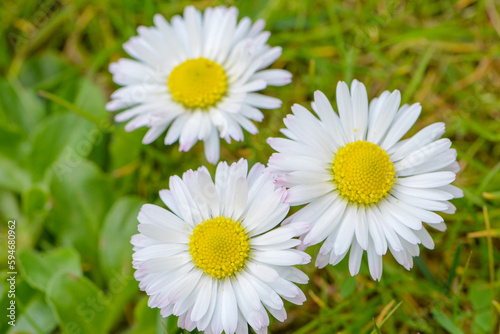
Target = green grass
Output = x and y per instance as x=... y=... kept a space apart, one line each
x=74 y=181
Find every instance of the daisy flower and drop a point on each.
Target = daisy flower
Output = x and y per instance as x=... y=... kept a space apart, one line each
x=197 y=76
x=364 y=188
x=215 y=260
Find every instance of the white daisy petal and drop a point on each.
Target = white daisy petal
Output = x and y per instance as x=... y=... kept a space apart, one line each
x=329 y=118
x=274 y=77
x=361 y=228
x=455 y=191
x=443 y=162
x=360 y=109
x=325 y=224
x=425 y=237
x=355 y=258
x=400 y=211
x=346 y=231
x=344 y=103
x=428 y=180
x=422 y=138
x=374 y=264
x=152 y=214
x=403 y=122
x=262 y=101
x=203 y=299
x=423 y=154
x=362 y=187
x=282 y=258
x=162 y=234
x=219 y=261
x=430 y=193
x=401 y=229
x=229 y=306
x=377 y=239
x=263 y=272
x=302 y=193
x=420 y=202
x=383 y=121
x=252 y=313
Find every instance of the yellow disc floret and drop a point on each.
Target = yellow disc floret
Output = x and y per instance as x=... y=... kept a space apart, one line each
x=363 y=172
x=219 y=246
x=197 y=83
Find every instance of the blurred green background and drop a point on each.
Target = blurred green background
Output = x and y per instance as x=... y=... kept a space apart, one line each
x=74 y=182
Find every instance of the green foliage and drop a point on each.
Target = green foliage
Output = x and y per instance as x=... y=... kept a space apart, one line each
x=79 y=305
x=40 y=268
x=75 y=182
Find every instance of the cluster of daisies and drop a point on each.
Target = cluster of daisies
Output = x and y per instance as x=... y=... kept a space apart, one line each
x=217 y=258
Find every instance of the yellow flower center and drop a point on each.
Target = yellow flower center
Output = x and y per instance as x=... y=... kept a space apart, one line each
x=363 y=172
x=219 y=246
x=197 y=83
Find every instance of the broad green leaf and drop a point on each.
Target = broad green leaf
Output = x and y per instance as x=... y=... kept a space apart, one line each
x=145 y=318
x=348 y=287
x=81 y=199
x=12 y=176
x=9 y=205
x=38 y=268
x=61 y=143
x=34 y=200
x=483 y=321
x=45 y=71
x=170 y=323
x=24 y=296
x=13 y=141
x=20 y=106
x=115 y=249
x=125 y=149
x=79 y=305
x=481 y=297
x=91 y=98
x=36 y=318
x=149 y=320
x=446 y=322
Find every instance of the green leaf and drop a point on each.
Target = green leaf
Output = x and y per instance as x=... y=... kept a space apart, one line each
x=9 y=205
x=12 y=176
x=348 y=287
x=13 y=141
x=34 y=200
x=80 y=202
x=481 y=297
x=145 y=318
x=91 y=99
x=62 y=142
x=45 y=71
x=20 y=106
x=36 y=318
x=170 y=323
x=39 y=268
x=115 y=250
x=125 y=149
x=80 y=306
x=446 y=322
x=377 y=330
